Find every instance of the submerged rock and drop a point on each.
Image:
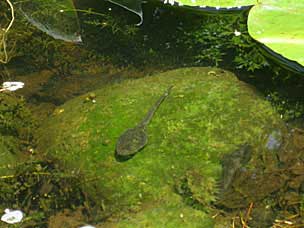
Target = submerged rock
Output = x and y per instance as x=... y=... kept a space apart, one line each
x=232 y=162
x=205 y=117
x=274 y=140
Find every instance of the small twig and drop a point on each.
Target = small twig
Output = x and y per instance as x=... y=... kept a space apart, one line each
x=233 y=222
x=3 y=41
x=244 y=225
x=249 y=212
x=7 y=177
x=12 y=14
x=287 y=223
x=245 y=220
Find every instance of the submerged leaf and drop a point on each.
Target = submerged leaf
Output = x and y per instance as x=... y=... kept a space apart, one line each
x=58 y=18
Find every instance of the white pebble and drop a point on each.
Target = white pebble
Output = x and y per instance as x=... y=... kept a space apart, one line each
x=12 y=216
x=237 y=33
x=87 y=226
x=12 y=86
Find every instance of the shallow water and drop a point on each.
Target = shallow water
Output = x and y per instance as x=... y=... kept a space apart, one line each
x=59 y=131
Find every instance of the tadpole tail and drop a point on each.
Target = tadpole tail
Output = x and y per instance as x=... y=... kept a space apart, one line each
x=153 y=109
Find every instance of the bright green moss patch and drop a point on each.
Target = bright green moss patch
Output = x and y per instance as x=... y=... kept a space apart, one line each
x=208 y=113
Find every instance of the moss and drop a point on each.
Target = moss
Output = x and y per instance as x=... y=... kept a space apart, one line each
x=205 y=116
x=14 y=116
x=16 y=125
x=190 y=187
x=167 y=215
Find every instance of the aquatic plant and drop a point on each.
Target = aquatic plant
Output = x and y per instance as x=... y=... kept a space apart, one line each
x=213 y=42
x=61 y=22
x=15 y=121
x=58 y=19
x=40 y=189
x=260 y=24
x=289 y=109
x=278 y=25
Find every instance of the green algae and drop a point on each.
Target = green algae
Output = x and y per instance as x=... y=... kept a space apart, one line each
x=16 y=126
x=167 y=215
x=205 y=117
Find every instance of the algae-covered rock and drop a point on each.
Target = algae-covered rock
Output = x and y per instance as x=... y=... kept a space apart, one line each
x=171 y=214
x=204 y=117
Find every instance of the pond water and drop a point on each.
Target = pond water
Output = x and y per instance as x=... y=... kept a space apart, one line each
x=178 y=122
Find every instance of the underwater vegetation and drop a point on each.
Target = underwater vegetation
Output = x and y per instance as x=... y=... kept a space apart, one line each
x=288 y=17
x=16 y=124
x=211 y=142
x=39 y=188
x=214 y=44
x=180 y=167
x=61 y=22
x=66 y=26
